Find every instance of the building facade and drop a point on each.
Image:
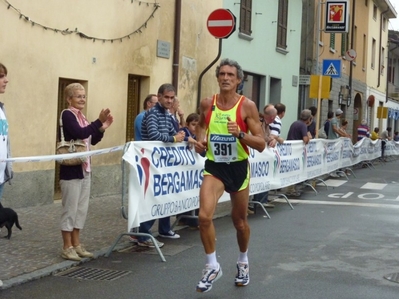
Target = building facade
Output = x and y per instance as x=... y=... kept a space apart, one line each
x=266 y=44
x=119 y=50
x=362 y=52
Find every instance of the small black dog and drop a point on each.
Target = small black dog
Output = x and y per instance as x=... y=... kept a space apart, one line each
x=7 y=218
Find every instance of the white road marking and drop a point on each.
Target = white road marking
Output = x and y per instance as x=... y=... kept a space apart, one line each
x=373 y=186
x=336 y=203
x=340 y=195
x=370 y=196
x=333 y=183
x=347 y=195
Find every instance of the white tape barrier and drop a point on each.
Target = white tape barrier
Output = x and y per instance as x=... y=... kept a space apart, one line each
x=65 y=156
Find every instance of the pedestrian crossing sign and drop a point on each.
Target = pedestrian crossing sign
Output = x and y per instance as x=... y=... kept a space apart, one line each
x=332 y=68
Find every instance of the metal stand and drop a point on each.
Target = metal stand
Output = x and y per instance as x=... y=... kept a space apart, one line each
x=306 y=183
x=321 y=181
x=278 y=195
x=125 y=215
x=261 y=205
x=369 y=164
x=351 y=171
x=192 y=216
x=343 y=173
x=136 y=234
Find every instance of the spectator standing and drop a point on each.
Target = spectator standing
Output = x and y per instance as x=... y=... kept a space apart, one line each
x=312 y=126
x=75 y=181
x=148 y=103
x=275 y=127
x=375 y=134
x=343 y=128
x=177 y=114
x=326 y=125
x=6 y=172
x=363 y=130
x=334 y=132
x=269 y=115
x=158 y=125
x=5 y=167
x=385 y=136
x=191 y=125
x=230 y=123
x=299 y=131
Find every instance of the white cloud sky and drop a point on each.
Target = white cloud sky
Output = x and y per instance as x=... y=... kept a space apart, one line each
x=394 y=23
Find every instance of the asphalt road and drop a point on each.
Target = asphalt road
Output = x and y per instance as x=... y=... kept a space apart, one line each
x=338 y=243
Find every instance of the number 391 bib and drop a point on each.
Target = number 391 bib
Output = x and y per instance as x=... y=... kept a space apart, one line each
x=223 y=147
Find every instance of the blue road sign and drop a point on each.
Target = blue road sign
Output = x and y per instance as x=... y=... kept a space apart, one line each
x=332 y=68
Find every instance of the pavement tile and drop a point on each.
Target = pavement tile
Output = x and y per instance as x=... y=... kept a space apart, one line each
x=35 y=251
x=39 y=243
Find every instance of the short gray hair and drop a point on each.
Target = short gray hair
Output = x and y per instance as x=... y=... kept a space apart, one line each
x=69 y=91
x=305 y=114
x=230 y=62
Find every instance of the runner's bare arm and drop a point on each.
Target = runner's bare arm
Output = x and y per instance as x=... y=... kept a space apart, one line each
x=251 y=116
x=200 y=146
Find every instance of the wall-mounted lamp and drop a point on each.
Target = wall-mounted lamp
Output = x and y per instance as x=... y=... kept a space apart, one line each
x=344 y=97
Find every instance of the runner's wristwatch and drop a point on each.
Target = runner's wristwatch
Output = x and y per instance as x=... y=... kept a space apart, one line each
x=241 y=135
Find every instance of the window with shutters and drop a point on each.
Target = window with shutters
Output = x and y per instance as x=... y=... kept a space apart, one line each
x=245 y=16
x=282 y=22
x=373 y=46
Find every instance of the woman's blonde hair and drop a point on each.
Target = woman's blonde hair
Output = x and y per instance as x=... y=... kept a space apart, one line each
x=3 y=69
x=69 y=91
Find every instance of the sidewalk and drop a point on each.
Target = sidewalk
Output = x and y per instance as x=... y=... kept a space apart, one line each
x=35 y=251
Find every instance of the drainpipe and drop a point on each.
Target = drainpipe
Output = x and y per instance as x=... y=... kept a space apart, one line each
x=176 y=46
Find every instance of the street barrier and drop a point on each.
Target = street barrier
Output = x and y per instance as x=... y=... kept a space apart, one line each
x=164 y=179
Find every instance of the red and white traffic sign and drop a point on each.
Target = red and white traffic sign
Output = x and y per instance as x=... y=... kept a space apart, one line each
x=221 y=23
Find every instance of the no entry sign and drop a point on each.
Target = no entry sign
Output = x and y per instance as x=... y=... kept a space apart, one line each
x=221 y=23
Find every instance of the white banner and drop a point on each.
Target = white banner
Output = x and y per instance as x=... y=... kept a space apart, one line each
x=165 y=178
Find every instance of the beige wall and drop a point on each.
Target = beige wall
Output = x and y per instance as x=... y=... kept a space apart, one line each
x=37 y=58
x=375 y=32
